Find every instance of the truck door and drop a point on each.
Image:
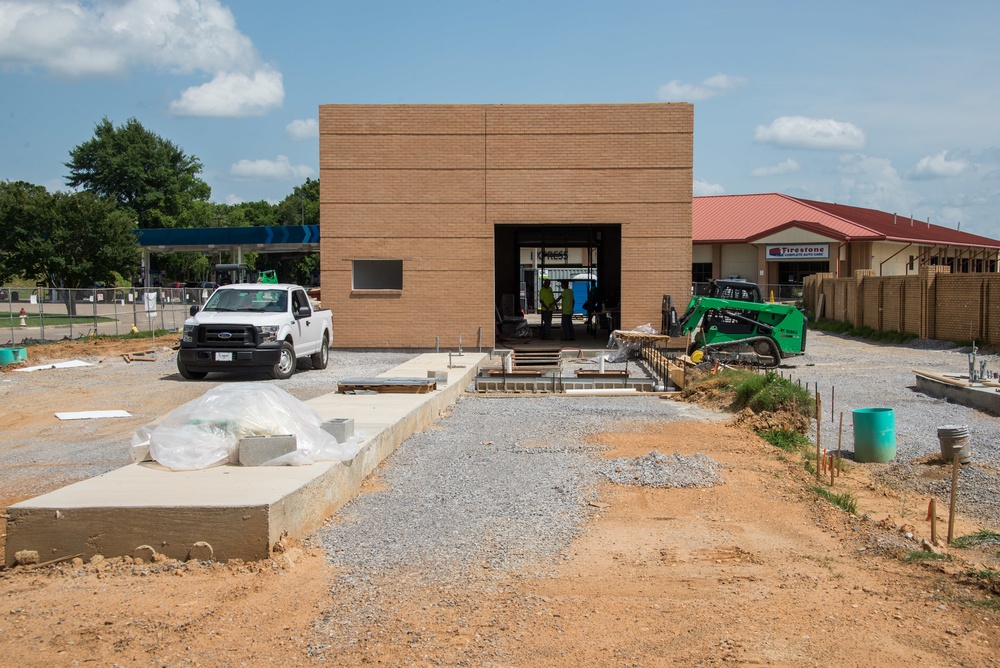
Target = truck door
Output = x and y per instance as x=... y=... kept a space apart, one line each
x=305 y=338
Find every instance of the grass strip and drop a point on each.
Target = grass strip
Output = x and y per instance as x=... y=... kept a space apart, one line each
x=845 y=501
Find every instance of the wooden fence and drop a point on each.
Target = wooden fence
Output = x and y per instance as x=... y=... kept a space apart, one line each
x=934 y=304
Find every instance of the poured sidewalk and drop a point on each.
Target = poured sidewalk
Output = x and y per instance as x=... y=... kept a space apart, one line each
x=240 y=511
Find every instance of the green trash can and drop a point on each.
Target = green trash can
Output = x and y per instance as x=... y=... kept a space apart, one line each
x=874 y=435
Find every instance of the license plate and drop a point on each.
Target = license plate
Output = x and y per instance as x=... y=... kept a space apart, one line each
x=223 y=357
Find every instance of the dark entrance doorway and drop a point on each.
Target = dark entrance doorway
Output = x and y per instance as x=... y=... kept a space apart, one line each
x=557 y=251
x=790 y=274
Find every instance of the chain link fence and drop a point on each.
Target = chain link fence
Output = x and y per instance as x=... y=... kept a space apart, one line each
x=49 y=314
x=782 y=292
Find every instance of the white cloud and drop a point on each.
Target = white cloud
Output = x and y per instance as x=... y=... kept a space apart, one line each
x=55 y=185
x=938 y=166
x=874 y=183
x=812 y=133
x=280 y=169
x=76 y=39
x=233 y=198
x=710 y=87
x=232 y=94
x=785 y=167
x=703 y=188
x=302 y=128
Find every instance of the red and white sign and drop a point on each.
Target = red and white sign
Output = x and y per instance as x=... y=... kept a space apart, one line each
x=798 y=251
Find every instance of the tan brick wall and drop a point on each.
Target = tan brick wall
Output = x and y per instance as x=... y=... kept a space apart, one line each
x=426 y=184
x=914 y=289
x=934 y=304
x=870 y=295
x=959 y=306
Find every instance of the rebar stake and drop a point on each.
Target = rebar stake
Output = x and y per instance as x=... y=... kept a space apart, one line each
x=819 y=420
x=956 y=464
x=932 y=511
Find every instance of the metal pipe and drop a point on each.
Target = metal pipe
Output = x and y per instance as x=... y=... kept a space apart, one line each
x=892 y=256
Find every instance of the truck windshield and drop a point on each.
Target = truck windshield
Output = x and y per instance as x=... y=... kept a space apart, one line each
x=248 y=301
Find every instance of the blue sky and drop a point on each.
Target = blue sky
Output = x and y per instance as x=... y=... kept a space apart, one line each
x=888 y=105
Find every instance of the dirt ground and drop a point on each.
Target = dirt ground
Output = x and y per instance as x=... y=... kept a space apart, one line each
x=757 y=570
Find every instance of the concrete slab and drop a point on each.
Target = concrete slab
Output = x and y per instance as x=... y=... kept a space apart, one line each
x=241 y=511
x=979 y=395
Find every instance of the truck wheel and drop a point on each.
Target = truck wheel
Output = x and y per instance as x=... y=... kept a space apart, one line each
x=285 y=367
x=321 y=358
x=190 y=375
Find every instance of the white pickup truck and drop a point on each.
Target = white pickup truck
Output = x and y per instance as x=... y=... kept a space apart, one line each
x=255 y=327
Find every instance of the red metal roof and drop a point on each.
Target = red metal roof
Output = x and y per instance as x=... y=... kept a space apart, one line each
x=744 y=218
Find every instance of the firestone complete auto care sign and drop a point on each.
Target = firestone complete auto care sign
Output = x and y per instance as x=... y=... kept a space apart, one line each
x=798 y=251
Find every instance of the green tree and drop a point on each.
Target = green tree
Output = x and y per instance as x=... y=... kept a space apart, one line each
x=147 y=176
x=301 y=207
x=250 y=214
x=71 y=239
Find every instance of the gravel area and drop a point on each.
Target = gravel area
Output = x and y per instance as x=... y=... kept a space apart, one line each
x=501 y=483
x=853 y=373
x=659 y=470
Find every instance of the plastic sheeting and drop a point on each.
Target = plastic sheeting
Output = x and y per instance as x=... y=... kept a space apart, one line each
x=207 y=431
x=626 y=348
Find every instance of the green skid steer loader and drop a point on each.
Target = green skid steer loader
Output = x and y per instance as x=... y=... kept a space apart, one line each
x=733 y=325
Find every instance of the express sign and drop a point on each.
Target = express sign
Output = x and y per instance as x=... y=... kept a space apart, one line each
x=798 y=251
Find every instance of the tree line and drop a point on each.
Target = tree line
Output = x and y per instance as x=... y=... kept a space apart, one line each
x=126 y=178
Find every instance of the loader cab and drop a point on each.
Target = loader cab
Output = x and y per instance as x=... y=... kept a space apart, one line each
x=736 y=289
x=733 y=289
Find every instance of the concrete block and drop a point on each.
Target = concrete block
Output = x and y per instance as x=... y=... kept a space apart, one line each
x=258 y=450
x=440 y=376
x=341 y=429
x=139 y=453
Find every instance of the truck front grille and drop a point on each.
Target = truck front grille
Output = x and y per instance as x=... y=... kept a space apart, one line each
x=227 y=336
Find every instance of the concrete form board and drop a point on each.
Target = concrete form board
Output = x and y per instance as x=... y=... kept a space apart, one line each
x=240 y=511
x=986 y=399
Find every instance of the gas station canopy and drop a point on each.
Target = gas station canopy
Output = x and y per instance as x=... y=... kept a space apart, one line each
x=270 y=239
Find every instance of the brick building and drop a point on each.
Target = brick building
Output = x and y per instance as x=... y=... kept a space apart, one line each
x=426 y=212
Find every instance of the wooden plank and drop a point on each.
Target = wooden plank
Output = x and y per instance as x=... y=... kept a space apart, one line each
x=388 y=381
x=386 y=389
x=596 y=373
x=388 y=385
x=940 y=378
x=517 y=372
